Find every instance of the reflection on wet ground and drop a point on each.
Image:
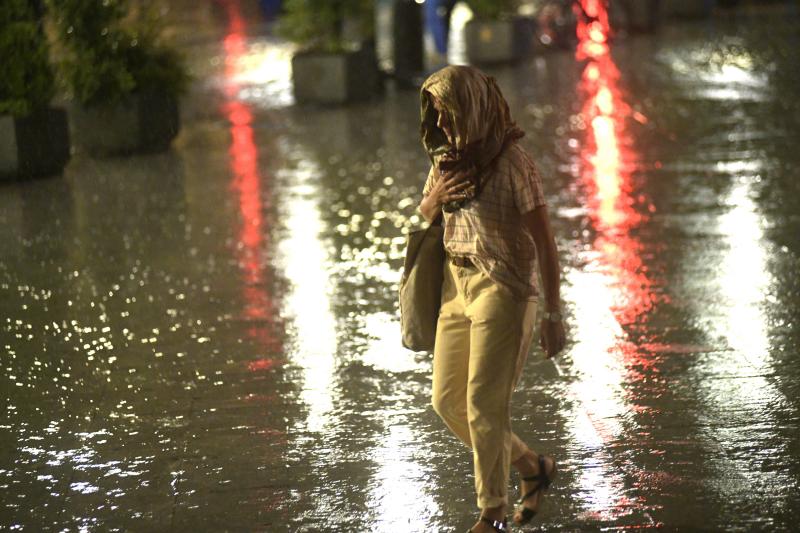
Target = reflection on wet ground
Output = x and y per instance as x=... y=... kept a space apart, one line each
x=208 y=338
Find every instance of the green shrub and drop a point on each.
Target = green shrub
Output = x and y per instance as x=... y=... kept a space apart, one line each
x=492 y=9
x=26 y=80
x=320 y=24
x=110 y=55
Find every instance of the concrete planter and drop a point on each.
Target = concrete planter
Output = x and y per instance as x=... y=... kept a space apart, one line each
x=498 y=41
x=142 y=123
x=328 y=78
x=36 y=145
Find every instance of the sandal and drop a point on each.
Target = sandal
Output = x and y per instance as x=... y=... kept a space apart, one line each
x=543 y=480
x=500 y=527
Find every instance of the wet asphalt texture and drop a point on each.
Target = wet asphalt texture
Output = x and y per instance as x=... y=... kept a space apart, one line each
x=207 y=339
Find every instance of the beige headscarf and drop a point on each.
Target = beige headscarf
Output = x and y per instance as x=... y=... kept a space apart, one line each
x=479 y=118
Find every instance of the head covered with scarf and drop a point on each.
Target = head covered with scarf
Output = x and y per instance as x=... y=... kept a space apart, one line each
x=480 y=125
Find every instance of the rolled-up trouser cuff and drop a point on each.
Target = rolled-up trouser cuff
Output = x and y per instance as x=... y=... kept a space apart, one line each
x=492 y=501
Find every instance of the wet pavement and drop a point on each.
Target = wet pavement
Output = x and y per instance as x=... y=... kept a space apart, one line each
x=208 y=339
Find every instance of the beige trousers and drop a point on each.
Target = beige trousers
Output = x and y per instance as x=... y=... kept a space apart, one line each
x=482 y=340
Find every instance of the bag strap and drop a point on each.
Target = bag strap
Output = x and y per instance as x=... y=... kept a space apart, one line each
x=413 y=251
x=438 y=220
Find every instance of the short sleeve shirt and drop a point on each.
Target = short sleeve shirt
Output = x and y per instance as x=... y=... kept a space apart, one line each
x=490 y=231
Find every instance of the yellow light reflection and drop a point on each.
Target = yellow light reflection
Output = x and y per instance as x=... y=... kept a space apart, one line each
x=382 y=353
x=264 y=63
x=743 y=281
x=602 y=488
x=593 y=355
x=744 y=277
x=457 y=46
x=722 y=75
x=399 y=487
x=313 y=325
x=260 y=70
x=742 y=392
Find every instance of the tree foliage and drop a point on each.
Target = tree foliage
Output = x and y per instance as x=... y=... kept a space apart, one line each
x=111 y=54
x=26 y=79
x=492 y=9
x=321 y=24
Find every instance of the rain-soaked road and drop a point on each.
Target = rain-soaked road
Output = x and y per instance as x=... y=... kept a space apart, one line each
x=208 y=339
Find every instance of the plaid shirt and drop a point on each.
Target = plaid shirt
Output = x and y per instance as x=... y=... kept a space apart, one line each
x=489 y=230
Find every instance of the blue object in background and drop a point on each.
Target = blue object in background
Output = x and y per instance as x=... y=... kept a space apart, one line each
x=437 y=18
x=270 y=8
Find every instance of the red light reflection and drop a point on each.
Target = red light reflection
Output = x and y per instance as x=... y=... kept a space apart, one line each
x=617 y=289
x=593 y=28
x=264 y=364
x=608 y=162
x=253 y=239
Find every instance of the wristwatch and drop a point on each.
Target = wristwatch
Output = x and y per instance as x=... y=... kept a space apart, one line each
x=552 y=316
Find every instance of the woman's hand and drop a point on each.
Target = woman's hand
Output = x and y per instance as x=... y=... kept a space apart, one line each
x=553 y=337
x=449 y=188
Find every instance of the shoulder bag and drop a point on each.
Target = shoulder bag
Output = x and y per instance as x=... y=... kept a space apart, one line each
x=421 y=287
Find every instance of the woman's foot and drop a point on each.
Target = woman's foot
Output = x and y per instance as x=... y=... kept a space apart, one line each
x=530 y=466
x=492 y=520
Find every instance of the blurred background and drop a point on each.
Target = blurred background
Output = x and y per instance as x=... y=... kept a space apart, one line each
x=203 y=211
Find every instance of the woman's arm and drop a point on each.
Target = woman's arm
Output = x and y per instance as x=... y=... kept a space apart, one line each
x=538 y=224
x=430 y=207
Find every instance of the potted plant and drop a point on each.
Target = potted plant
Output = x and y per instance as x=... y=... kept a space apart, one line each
x=335 y=63
x=125 y=82
x=496 y=34
x=34 y=138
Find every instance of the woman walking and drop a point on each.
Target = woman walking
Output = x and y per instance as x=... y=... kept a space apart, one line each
x=489 y=193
